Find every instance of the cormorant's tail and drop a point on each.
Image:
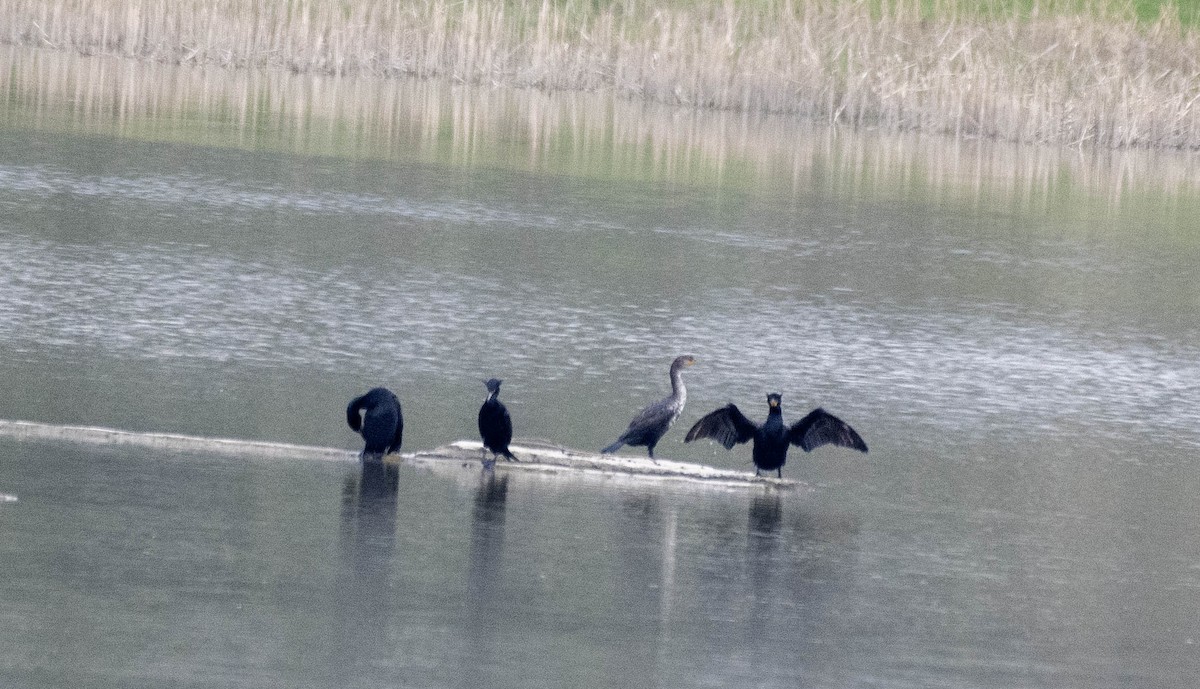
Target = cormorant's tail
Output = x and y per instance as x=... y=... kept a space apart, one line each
x=612 y=448
x=510 y=456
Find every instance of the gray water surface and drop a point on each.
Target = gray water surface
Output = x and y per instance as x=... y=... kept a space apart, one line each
x=1026 y=378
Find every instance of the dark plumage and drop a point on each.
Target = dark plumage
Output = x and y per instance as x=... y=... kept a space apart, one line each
x=652 y=423
x=495 y=425
x=377 y=416
x=729 y=427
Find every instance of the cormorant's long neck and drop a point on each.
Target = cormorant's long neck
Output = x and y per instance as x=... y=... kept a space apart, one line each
x=678 y=391
x=491 y=395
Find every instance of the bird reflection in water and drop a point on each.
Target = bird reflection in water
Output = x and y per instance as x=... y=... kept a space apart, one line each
x=368 y=533
x=766 y=514
x=799 y=565
x=490 y=498
x=368 y=539
x=486 y=617
x=487 y=535
x=645 y=560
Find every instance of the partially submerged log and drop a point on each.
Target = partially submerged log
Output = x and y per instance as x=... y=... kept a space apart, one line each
x=547 y=458
x=537 y=456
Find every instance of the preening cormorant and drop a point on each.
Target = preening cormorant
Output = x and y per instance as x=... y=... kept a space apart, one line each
x=376 y=415
x=728 y=426
x=495 y=425
x=652 y=423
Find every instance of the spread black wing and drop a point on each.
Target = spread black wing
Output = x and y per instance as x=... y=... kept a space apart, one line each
x=726 y=425
x=822 y=428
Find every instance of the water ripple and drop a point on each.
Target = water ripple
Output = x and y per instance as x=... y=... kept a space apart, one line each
x=26 y=182
x=959 y=370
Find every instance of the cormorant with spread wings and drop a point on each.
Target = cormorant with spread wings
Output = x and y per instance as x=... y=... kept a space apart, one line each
x=729 y=427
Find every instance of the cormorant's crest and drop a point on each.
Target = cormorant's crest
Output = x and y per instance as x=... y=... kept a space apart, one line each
x=774 y=399
x=493 y=384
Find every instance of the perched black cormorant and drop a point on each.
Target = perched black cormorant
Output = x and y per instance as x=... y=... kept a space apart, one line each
x=495 y=425
x=728 y=426
x=652 y=423
x=376 y=415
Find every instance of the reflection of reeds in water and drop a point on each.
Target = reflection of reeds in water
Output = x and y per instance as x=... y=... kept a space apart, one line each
x=561 y=133
x=1092 y=77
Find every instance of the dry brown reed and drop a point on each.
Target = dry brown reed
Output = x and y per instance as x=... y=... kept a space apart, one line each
x=1100 y=79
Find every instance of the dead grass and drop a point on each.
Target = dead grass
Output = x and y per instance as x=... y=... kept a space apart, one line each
x=1094 y=79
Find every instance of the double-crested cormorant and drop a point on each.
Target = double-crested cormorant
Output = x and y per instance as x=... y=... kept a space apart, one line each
x=495 y=425
x=728 y=426
x=376 y=415
x=652 y=423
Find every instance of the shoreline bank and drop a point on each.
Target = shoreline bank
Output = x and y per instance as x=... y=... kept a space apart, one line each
x=1102 y=81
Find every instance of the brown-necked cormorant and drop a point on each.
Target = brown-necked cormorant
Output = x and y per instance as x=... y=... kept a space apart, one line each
x=377 y=416
x=495 y=425
x=652 y=423
x=729 y=426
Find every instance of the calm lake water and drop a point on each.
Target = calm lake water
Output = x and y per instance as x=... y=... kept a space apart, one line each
x=1015 y=335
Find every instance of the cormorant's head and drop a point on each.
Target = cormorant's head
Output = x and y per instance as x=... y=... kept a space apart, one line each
x=683 y=362
x=493 y=385
x=774 y=399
